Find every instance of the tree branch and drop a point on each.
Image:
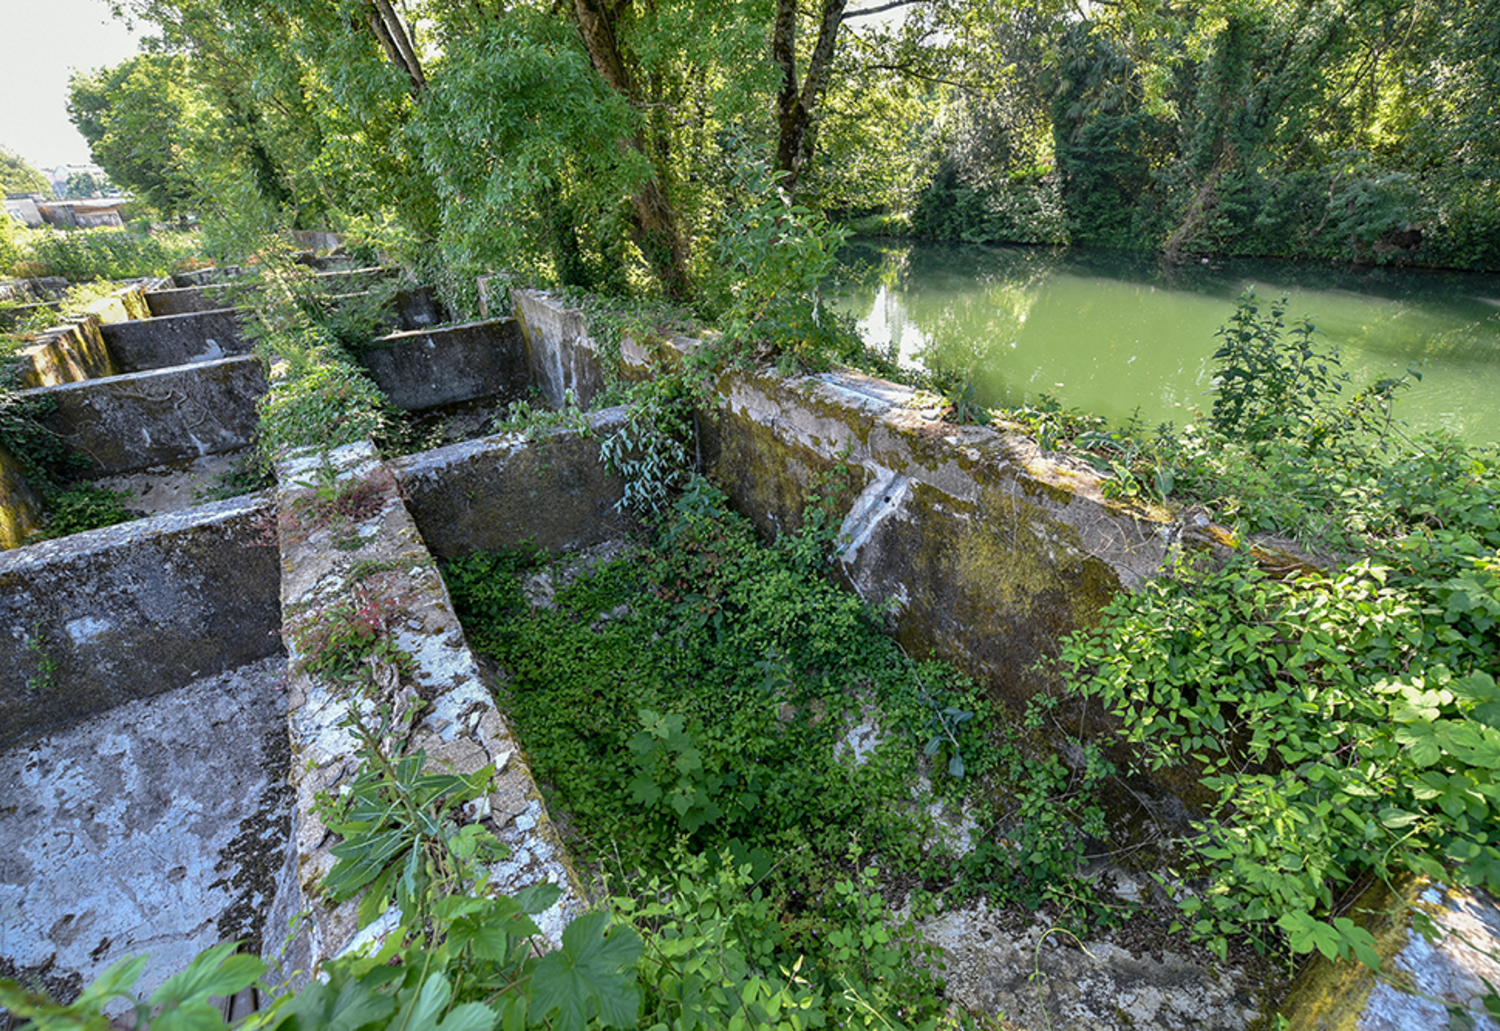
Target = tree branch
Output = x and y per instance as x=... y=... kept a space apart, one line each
x=881 y=9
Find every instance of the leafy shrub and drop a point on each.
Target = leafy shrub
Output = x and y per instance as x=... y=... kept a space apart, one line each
x=86 y=254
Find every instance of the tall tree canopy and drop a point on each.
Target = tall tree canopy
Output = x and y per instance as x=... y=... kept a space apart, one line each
x=133 y=116
x=609 y=143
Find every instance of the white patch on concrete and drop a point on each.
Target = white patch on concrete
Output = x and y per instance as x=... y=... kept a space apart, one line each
x=86 y=629
x=885 y=495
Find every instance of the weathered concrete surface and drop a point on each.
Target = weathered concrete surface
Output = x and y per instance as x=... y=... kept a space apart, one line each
x=993 y=969
x=186 y=300
x=94 y=620
x=498 y=491
x=123 y=305
x=66 y=354
x=560 y=354
x=368 y=555
x=176 y=487
x=125 y=423
x=159 y=343
x=428 y=368
x=993 y=551
x=153 y=828
x=1451 y=971
x=44 y=288
x=20 y=508
x=417 y=308
x=205 y=276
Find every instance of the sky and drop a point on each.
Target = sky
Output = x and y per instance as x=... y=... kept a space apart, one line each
x=44 y=41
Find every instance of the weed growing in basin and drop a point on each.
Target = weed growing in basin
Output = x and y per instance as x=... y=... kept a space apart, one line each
x=84 y=507
x=531 y=421
x=693 y=699
x=402 y=839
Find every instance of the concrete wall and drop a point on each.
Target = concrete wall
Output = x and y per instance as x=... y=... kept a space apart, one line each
x=126 y=423
x=187 y=300
x=96 y=619
x=991 y=550
x=438 y=705
x=67 y=354
x=428 y=368
x=500 y=491
x=164 y=341
x=560 y=354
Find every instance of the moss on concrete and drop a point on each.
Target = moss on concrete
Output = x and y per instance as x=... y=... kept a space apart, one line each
x=1331 y=995
x=20 y=508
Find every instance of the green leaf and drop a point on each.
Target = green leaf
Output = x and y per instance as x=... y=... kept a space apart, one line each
x=1305 y=932
x=118 y=980
x=197 y=1015
x=215 y=971
x=538 y=898
x=585 y=977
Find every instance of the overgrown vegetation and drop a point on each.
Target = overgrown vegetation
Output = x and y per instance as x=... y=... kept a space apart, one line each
x=82 y=255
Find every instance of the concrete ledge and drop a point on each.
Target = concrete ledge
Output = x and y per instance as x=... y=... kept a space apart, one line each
x=499 y=491
x=372 y=557
x=67 y=354
x=428 y=368
x=186 y=300
x=159 y=343
x=137 y=421
x=129 y=611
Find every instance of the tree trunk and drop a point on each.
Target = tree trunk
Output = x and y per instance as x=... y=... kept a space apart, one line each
x=797 y=105
x=655 y=227
x=388 y=28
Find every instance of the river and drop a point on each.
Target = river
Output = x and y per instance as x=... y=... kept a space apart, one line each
x=1115 y=334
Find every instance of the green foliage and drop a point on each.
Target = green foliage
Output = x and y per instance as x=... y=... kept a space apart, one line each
x=651 y=451
x=132 y=116
x=401 y=841
x=521 y=417
x=1271 y=388
x=335 y=403
x=17 y=176
x=1344 y=721
x=772 y=265
x=80 y=255
x=84 y=507
x=703 y=686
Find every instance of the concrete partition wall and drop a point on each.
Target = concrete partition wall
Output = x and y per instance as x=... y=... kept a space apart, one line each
x=374 y=561
x=164 y=341
x=991 y=550
x=126 y=423
x=67 y=354
x=90 y=621
x=431 y=367
x=497 y=492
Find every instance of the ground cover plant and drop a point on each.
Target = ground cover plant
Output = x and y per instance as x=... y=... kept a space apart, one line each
x=687 y=703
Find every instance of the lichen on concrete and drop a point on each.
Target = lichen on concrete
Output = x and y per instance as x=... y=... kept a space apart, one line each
x=440 y=704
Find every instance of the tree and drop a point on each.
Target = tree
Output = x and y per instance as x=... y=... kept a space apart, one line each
x=133 y=116
x=83 y=184
x=16 y=176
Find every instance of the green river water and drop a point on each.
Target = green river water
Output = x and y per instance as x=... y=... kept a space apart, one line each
x=1112 y=334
